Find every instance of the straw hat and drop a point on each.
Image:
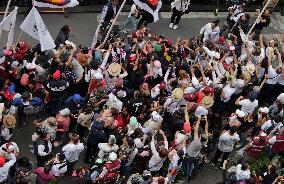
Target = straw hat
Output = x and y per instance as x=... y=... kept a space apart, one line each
x=114 y=69
x=250 y=68
x=177 y=94
x=207 y=101
x=9 y=121
x=246 y=76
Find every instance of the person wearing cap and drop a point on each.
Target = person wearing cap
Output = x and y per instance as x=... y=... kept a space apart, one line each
x=72 y=151
x=74 y=103
x=256 y=147
x=109 y=171
x=8 y=150
x=57 y=88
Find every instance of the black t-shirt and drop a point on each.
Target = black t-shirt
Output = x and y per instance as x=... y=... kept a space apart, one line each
x=135 y=106
x=264 y=24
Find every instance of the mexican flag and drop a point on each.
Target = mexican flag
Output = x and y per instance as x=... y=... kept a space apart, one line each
x=151 y=6
x=56 y=3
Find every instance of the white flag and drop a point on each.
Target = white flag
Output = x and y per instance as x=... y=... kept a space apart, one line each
x=8 y=24
x=34 y=26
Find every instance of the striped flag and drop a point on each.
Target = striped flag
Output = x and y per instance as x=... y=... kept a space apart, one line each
x=151 y=6
x=56 y=3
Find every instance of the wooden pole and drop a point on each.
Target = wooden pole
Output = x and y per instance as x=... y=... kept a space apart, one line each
x=20 y=35
x=119 y=11
x=260 y=14
x=5 y=14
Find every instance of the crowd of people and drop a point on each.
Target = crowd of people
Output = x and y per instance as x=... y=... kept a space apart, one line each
x=145 y=109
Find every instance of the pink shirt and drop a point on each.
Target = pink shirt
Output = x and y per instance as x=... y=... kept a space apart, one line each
x=43 y=177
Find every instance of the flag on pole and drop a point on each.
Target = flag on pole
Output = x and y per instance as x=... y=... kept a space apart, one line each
x=56 y=3
x=34 y=26
x=8 y=24
x=151 y=6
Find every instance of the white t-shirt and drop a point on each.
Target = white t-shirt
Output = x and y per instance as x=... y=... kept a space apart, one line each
x=72 y=151
x=228 y=92
x=273 y=77
x=227 y=142
x=58 y=168
x=281 y=80
x=242 y=175
x=248 y=106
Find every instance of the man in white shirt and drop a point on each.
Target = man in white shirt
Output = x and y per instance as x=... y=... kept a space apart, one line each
x=226 y=144
x=179 y=7
x=5 y=167
x=72 y=151
x=211 y=31
x=8 y=150
x=249 y=104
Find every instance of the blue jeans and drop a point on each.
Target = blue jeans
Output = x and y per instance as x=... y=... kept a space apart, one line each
x=131 y=22
x=189 y=166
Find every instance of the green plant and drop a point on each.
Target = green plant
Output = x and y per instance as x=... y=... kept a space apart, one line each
x=261 y=163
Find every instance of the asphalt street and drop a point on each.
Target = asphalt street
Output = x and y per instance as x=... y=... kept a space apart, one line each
x=83 y=27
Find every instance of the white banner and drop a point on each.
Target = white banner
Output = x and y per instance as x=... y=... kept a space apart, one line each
x=50 y=4
x=8 y=24
x=34 y=26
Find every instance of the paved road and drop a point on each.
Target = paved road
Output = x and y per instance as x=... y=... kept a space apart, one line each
x=83 y=26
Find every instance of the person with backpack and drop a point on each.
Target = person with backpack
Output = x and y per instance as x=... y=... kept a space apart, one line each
x=109 y=172
x=27 y=106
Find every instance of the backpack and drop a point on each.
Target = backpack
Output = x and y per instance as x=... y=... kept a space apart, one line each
x=25 y=80
x=30 y=110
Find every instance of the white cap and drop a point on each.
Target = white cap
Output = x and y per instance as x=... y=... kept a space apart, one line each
x=64 y=112
x=281 y=98
x=240 y=113
x=112 y=156
x=200 y=110
x=155 y=116
x=189 y=90
x=264 y=110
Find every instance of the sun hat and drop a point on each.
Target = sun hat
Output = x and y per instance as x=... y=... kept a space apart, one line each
x=2 y=160
x=64 y=112
x=133 y=121
x=207 y=101
x=114 y=69
x=240 y=113
x=177 y=94
x=250 y=67
x=112 y=156
x=56 y=75
x=9 y=121
x=189 y=90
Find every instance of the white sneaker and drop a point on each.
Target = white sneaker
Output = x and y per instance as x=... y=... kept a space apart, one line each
x=175 y=27
x=171 y=25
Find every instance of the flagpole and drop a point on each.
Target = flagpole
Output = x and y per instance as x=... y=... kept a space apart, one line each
x=20 y=35
x=119 y=11
x=258 y=17
x=5 y=14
